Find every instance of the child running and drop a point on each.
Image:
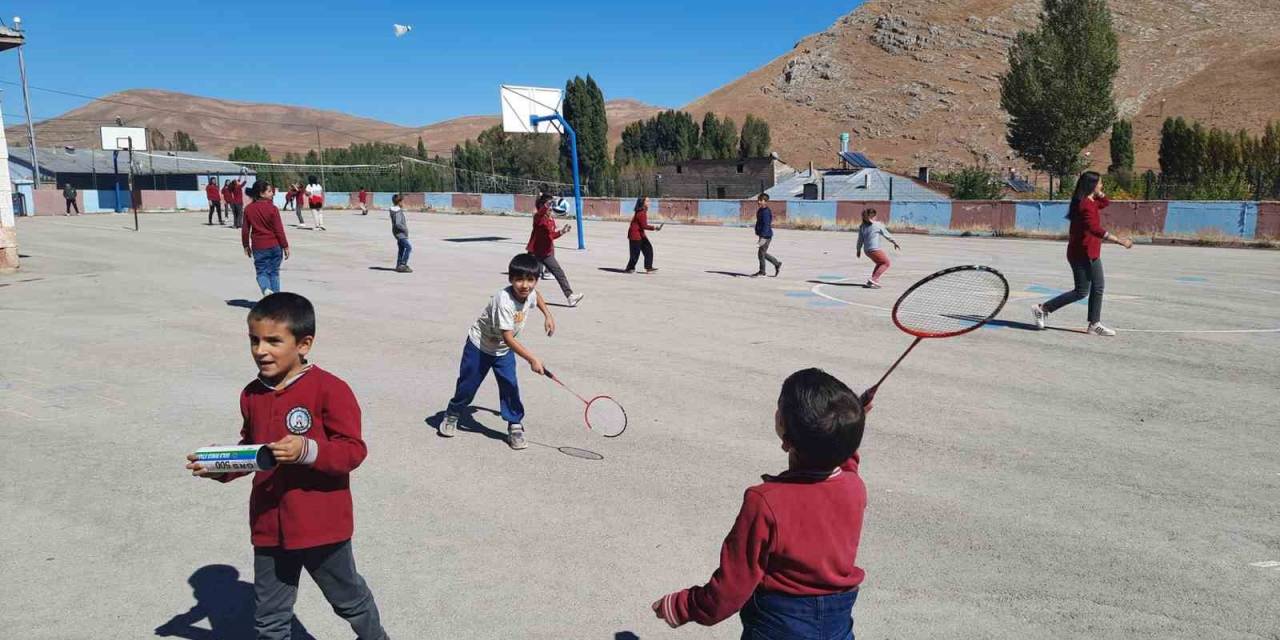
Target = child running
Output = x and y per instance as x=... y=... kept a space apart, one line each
x=300 y=512
x=490 y=344
x=788 y=563
x=869 y=234
x=400 y=229
x=315 y=199
x=764 y=236
x=542 y=246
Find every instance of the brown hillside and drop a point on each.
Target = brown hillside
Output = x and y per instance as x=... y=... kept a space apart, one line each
x=916 y=82
x=220 y=125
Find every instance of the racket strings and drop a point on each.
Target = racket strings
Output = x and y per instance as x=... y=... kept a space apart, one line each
x=952 y=303
x=606 y=417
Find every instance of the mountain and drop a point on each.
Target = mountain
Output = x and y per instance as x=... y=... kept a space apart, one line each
x=916 y=82
x=219 y=125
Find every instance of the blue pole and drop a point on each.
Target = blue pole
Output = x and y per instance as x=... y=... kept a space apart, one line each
x=577 y=185
x=115 y=163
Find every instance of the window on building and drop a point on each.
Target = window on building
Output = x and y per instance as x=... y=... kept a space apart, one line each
x=720 y=193
x=740 y=167
x=679 y=168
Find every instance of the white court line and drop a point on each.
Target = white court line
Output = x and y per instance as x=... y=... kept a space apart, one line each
x=815 y=290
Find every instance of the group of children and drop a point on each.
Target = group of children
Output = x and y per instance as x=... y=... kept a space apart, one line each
x=230 y=197
x=311 y=194
x=788 y=565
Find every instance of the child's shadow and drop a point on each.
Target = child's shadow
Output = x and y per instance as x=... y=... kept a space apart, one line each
x=226 y=601
x=466 y=422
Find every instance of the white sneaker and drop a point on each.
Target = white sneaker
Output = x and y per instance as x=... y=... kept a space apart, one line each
x=1038 y=312
x=1097 y=329
x=576 y=298
x=515 y=436
x=872 y=284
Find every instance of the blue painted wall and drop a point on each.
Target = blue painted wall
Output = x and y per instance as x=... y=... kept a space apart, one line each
x=1238 y=219
x=194 y=200
x=382 y=200
x=723 y=210
x=439 y=200
x=919 y=214
x=499 y=202
x=806 y=210
x=1041 y=216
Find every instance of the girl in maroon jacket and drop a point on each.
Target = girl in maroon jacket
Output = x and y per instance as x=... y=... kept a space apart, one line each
x=1084 y=253
x=263 y=237
x=542 y=245
x=638 y=239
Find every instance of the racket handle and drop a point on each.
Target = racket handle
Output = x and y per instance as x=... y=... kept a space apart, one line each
x=547 y=372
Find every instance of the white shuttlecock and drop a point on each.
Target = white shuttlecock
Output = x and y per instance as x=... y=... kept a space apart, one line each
x=402 y=29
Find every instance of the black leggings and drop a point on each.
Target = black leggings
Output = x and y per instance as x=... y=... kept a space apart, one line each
x=215 y=206
x=637 y=247
x=1089 y=282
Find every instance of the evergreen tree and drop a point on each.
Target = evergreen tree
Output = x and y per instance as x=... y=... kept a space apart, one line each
x=1121 y=147
x=250 y=153
x=584 y=109
x=183 y=142
x=422 y=150
x=719 y=139
x=754 y=142
x=1058 y=90
x=158 y=141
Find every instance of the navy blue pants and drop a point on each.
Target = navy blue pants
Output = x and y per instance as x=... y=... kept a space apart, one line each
x=403 y=249
x=472 y=371
x=776 y=616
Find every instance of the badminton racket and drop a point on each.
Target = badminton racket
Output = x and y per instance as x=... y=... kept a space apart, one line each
x=949 y=303
x=602 y=414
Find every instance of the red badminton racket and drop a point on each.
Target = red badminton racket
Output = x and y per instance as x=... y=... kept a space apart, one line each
x=602 y=414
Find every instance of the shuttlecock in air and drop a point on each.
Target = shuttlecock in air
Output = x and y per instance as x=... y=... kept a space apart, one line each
x=402 y=29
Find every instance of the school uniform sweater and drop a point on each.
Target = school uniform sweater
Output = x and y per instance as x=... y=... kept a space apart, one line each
x=211 y=192
x=1084 y=238
x=262 y=228
x=797 y=534
x=764 y=222
x=297 y=506
x=542 y=240
x=639 y=224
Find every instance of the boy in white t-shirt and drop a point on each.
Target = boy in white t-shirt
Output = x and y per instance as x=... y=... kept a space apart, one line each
x=315 y=200
x=492 y=344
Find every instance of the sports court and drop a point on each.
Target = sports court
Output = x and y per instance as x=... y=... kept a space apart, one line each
x=1021 y=484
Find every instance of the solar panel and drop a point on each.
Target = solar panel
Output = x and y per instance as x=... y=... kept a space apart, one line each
x=857 y=160
x=1019 y=185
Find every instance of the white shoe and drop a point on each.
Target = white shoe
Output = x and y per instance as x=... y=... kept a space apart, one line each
x=872 y=284
x=576 y=298
x=1038 y=312
x=1097 y=329
x=267 y=292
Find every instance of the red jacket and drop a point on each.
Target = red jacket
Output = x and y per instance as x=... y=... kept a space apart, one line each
x=262 y=228
x=228 y=194
x=796 y=534
x=362 y=196
x=639 y=224
x=1084 y=241
x=542 y=240
x=211 y=192
x=297 y=506
x=237 y=191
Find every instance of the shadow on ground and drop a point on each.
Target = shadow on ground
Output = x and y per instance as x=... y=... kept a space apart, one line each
x=1027 y=326
x=733 y=274
x=382 y=268
x=241 y=302
x=468 y=423
x=226 y=602
x=860 y=285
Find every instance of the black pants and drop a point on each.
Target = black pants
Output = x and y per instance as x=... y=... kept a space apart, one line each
x=637 y=247
x=237 y=213
x=215 y=206
x=71 y=204
x=333 y=567
x=762 y=252
x=550 y=263
x=1089 y=282
x=298 y=210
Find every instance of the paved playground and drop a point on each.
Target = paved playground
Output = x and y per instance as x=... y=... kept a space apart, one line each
x=1021 y=484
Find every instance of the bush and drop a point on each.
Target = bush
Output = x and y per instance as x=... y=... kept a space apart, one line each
x=974 y=183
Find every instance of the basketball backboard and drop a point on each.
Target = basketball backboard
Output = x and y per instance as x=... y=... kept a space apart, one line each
x=118 y=138
x=518 y=103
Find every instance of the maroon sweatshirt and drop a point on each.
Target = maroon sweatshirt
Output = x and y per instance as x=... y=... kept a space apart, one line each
x=1084 y=239
x=542 y=240
x=262 y=228
x=297 y=506
x=797 y=534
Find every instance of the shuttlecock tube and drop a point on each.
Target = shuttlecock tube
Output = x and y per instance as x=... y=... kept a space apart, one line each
x=236 y=458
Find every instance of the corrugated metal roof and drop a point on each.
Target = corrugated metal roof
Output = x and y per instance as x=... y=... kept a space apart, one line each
x=865 y=184
x=62 y=160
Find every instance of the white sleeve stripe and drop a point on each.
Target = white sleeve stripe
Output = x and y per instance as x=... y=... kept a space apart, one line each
x=310 y=451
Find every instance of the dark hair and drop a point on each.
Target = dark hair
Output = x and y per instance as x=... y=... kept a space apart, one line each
x=1085 y=186
x=311 y=180
x=544 y=199
x=258 y=187
x=397 y=199
x=822 y=417
x=869 y=211
x=523 y=266
x=289 y=308
x=640 y=204
x=763 y=196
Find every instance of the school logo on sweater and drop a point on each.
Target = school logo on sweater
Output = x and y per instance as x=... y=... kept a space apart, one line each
x=298 y=420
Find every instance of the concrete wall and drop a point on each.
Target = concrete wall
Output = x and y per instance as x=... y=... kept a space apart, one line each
x=1244 y=220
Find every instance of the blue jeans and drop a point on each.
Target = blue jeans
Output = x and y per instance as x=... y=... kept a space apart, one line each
x=777 y=616
x=472 y=371
x=403 y=249
x=267 y=263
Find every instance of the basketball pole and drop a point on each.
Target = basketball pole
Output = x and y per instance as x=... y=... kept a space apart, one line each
x=573 y=148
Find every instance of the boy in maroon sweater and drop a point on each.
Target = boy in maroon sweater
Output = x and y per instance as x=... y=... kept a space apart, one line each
x=788 y=563
x=300 y=512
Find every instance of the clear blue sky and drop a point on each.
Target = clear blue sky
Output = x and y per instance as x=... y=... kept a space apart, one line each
x=341 y=55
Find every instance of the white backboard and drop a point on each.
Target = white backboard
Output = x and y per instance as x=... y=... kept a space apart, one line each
x=518 y=103
x=118 y=138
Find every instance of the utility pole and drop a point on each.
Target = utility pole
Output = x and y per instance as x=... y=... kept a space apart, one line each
x=26 y=104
